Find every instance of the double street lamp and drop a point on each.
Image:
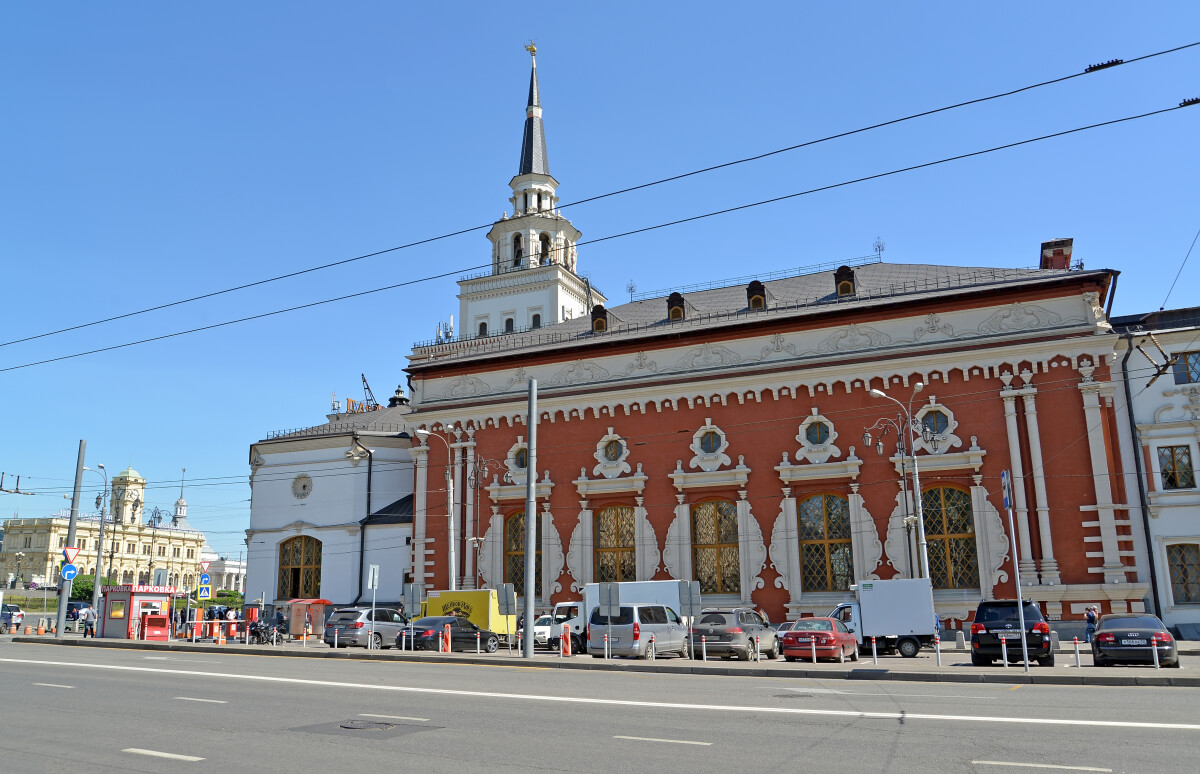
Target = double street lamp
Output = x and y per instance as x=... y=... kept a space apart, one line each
x=477 y=474
x=20 y=555
x=903 y=422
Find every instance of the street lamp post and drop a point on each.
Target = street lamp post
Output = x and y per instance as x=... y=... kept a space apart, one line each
x=452 y=532
x=101 y=504
x=905 y=421
x=20 y=556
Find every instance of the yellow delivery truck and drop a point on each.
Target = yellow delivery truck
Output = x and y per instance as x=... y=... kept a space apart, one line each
x=480 y=606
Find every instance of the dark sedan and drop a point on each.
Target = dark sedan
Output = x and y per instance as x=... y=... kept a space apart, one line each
x=426 y=634
x=1133 y=639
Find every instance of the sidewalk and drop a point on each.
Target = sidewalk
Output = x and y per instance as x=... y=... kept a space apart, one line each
x=956 y=664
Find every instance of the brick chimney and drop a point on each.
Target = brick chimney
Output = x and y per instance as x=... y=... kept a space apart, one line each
x=1056 y=254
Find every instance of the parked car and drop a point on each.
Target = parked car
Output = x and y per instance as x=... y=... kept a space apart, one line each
x=1131 y=639
x=541 y=630
x=11 y=615
x=75 y=608
x=630 y=632
x=830 y=637
x=464 y=634
x=997 y=621
x=366 y=627
x=731 y=631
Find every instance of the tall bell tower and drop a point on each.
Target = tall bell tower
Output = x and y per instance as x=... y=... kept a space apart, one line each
x=533 y=280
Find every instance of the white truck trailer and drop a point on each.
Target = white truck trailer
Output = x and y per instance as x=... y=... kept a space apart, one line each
x=575 y=614
x=897 y=613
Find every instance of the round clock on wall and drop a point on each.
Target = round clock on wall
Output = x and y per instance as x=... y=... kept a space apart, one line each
x=302 y=486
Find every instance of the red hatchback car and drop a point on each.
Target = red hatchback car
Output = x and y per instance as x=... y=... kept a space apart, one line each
x=831 y=637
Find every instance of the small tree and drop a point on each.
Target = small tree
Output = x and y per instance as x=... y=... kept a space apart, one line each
x=82 y=586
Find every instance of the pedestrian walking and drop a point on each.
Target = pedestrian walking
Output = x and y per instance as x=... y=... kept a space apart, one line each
x=1091 y=614
x=89 y=621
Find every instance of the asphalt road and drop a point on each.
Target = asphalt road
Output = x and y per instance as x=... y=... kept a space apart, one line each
x=85 y=709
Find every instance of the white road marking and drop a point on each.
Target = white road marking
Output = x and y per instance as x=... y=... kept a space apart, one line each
x=906 y=695
x=664 y=741
x=207 y=701
x=157 y=754
x=391 y=717
x=1037 y=766
x=805 y=711
x=53 y=685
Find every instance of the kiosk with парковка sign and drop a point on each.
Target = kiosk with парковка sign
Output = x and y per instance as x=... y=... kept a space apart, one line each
x=136 y=612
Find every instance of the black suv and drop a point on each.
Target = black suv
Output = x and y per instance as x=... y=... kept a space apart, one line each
x=997 y=620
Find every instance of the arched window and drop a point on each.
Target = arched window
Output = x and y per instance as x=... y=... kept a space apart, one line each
x=127 y=577
x=950 y=538
x=545 y=245
x=537 y=321
x=143 y=578
x=514 y=553
x=508 y=325
x=715 y=557
x=758 y=302
x=615 y=558
x=518 y=253
x=300 y=568
x=482 y=329
x=826 y=555
x=845 y=288
x=599 y=325
x=675 y=313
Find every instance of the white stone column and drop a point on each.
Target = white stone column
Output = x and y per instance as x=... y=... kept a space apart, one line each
x=587 y=545
x=645 y=543
x=1029 y=575
x=791 y=542
x=864 y=538
x=1048 y=565
x=455 y=511
x=469 y=574
x=1114 y=569
x=683 y=540
x=420 y=455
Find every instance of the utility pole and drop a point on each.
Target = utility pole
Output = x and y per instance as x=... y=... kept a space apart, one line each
x=530 y=522
x=65 y=584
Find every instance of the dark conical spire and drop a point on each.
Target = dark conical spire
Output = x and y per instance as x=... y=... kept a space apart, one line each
x=533 y=144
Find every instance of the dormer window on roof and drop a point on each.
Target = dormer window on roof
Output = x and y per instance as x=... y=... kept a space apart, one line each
x=675 y=307
x=599 y=319
x=843 y=280
x=756 y=295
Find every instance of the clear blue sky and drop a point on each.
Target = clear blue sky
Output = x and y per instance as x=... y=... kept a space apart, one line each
x=156 y=151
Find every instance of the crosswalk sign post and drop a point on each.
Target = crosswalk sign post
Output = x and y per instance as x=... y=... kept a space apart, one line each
x=204 y=592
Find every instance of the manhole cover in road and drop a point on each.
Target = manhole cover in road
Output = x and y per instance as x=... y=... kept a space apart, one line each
x=368 y=729
x=368 y=725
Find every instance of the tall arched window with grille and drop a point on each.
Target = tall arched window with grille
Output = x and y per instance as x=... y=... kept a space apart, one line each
x=514 y=554
x=715 y=558
x=950 y=538
x=826 y=553
x=300 y=568
x=616 y=556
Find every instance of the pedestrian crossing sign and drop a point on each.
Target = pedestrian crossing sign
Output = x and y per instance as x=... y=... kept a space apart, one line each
x=204 y=592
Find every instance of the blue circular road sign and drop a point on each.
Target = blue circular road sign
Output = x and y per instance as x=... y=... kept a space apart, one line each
x=69 y=571
x=204 y=579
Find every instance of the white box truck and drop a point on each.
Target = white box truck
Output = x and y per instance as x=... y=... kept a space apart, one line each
x=575 y=614
x=897 y=613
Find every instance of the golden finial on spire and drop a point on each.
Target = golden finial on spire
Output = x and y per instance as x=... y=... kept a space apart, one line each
x=531 y=48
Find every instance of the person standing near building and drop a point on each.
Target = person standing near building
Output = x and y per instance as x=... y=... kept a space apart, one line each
x=1091 y=614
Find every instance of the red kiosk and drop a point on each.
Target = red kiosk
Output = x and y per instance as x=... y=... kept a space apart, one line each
x=136 y=612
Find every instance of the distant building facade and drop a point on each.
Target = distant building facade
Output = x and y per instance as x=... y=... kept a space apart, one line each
x=133 y=548
x=1159 y=356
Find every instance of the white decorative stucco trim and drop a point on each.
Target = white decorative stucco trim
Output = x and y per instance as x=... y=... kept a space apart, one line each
x=817 y=452
x=611 y=468
x=708 y=461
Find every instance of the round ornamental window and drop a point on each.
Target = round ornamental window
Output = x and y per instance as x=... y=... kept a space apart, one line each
x=302 y=486
x=817 y=433
x=613 y=450
x=936 y=421
x=710 y=442
x=522 y=458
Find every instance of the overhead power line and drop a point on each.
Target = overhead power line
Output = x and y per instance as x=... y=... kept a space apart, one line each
x=677 y=222
x=757 y=157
